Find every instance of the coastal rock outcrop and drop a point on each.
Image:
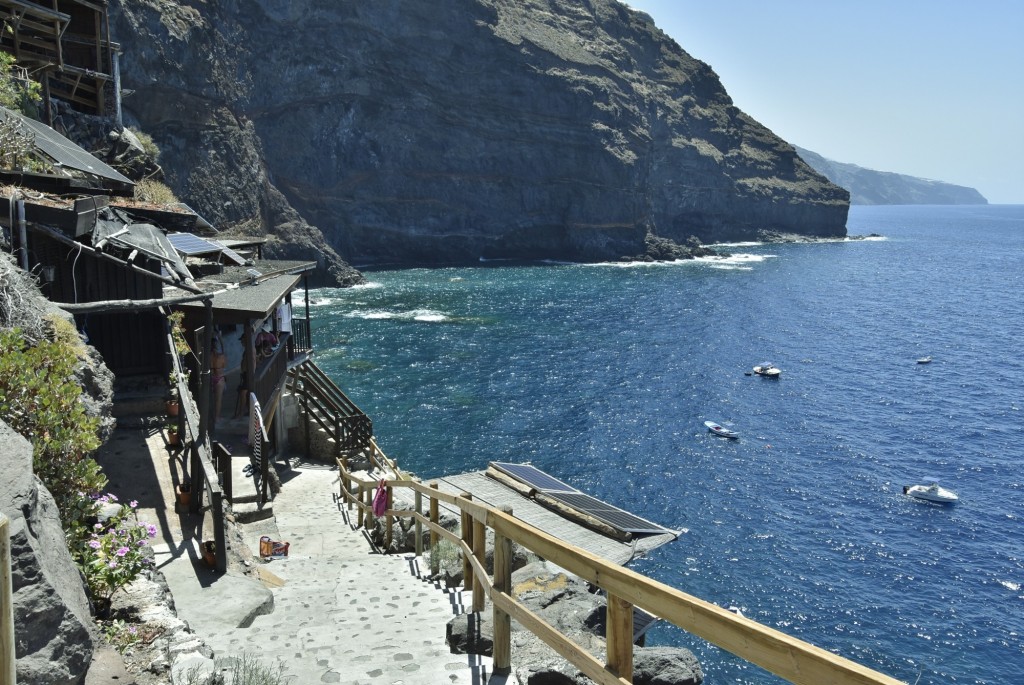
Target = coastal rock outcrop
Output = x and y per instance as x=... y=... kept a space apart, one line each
x=436 y=133
x=870 y=187
x=53 y=637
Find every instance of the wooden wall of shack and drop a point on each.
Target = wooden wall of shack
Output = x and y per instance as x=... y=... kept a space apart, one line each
x=131 y=343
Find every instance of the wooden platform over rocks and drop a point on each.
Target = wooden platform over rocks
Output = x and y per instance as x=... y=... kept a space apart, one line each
x=496 y=493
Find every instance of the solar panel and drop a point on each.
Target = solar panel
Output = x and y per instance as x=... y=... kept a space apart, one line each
x=229 y=253
x=533 y=477
x=191 y=245
x=65 y=152
x=602 y=511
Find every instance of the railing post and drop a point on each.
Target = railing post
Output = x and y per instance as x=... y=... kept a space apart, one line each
x=480 y=552
x=620 y=637
x=359 y=518
x=503 y=585
x=467 y=538
x=419 y=524
x=435 y=563
x=388 y=520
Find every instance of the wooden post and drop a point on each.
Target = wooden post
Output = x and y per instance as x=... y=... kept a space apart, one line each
x=359 y=518
x=467 y=537
x=480 y=552
x=220 y=538
x=419 y=525
x=388 y=521
x=620 y=637
x=502 y=584
x=434 y=561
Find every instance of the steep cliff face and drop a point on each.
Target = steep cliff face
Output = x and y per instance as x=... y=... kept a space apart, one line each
x=438 y=132
x=870 y=187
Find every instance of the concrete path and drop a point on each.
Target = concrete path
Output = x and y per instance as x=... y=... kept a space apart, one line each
x=338 y=611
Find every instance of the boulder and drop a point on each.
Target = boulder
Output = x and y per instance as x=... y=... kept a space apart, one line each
x=54 y=642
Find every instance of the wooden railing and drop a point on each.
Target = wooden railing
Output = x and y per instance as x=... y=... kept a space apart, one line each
x=785 y=656
x=324 y=402
x=201 y=471
x=300 y=340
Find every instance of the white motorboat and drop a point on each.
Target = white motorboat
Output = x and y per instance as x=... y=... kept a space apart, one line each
x=767 y=370
x=924 y=360
x=719 y=429
x=931 y=492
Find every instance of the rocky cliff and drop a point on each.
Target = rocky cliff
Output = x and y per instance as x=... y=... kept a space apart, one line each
x=433 y=132
x=870 y=187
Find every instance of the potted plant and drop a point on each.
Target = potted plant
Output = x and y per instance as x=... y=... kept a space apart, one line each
x=172 y=403
x=184 y=492
x=209 y=549
x=173 y=437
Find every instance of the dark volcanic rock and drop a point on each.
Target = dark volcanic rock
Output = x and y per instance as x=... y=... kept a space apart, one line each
x=53 y=641
x=870 y=187
x=446 y=132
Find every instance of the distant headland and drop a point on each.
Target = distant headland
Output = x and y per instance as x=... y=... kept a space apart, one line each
x=870 y=187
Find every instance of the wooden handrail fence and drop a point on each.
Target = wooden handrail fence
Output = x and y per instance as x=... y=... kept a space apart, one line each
x=785 y=656
x=202 y=471
x=324 y=402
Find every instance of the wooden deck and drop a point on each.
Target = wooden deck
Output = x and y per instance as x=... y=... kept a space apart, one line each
x=491 y=492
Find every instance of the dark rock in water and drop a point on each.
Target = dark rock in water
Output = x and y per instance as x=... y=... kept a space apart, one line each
x=448 y=132
x=870 y=187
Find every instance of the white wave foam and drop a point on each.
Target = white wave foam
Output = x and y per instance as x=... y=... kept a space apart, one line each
x=1010 y=585
x=427 y=315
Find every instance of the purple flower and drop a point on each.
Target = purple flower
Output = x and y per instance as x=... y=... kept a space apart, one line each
x=112 y=564
x=133 y=503
x=151 y=529
x=97 y=526
x=142 y=543
x=121 y=552
x=95 y=544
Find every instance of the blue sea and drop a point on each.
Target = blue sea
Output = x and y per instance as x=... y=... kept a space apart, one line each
x=603 y=375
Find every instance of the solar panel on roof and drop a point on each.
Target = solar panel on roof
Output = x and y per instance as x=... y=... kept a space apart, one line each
x=65 y=152
x=533 y=477
x=229 y=253
x=602 y=511
x=191 y=245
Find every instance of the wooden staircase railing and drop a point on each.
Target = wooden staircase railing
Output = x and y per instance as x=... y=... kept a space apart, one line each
x=324 y=402
x=785 y=656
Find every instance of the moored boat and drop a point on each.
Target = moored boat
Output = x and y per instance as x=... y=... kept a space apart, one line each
x=767 y=370
x=931 y=492
x=719 y=429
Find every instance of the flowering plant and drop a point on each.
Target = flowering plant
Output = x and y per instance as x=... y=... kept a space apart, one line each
x=114 y=553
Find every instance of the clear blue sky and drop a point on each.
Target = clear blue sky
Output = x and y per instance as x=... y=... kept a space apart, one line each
x=931 y=88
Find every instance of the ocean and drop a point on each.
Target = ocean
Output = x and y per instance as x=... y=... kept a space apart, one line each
x=603 y=375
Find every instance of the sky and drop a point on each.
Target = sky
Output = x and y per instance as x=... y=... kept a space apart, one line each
x=930 y=88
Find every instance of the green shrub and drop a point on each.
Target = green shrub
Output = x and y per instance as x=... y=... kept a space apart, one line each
x=17 y=90
x=146 y=141
x=39 y=399
x=155 y=192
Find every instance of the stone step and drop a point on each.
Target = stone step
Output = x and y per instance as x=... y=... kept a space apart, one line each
x=249 y=512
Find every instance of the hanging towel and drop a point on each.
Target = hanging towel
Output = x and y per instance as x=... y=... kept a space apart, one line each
x=380 y=499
